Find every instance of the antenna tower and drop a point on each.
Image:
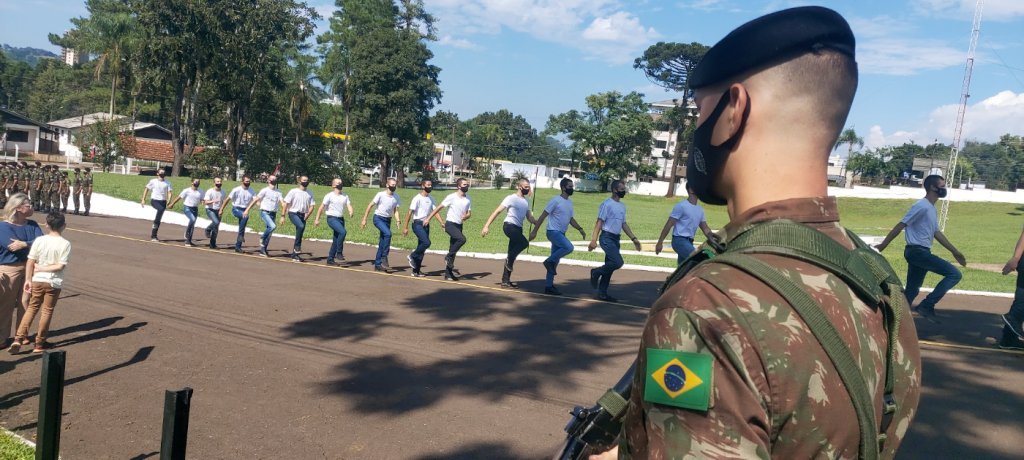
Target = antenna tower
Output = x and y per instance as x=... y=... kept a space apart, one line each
x=958 y=131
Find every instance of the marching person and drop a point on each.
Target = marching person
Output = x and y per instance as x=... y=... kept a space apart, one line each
x=421 y=206
x=159 y=189
x=335 y=202
x=298 y=205
x=387 y=203
x=561 y=211
x=922 y=226
x=214 y=201
x=240 y=198
x=611 y=223
x=518 y=211
x=731 y=363
x=18 y=233
x=190 y=199
x=459 y=210
x=683 y=221
x=268 y=199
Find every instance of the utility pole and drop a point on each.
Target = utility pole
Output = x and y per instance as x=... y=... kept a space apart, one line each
x=964 y=95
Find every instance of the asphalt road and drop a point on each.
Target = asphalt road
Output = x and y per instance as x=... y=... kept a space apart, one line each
x=301 y=360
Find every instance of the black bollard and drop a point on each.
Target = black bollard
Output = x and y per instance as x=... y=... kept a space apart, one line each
x=51 y=403
x=175 y=432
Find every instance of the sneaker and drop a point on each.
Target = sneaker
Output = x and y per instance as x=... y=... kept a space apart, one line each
x=550 y=267
x=341 y=258
x=42 y=346
x=154 y=239
x=417 y=274
x=238 y=250
x=552 y=291
x=213 y=246
x=1014 y=326
x=380 y=268
x=509 y=284
x=928 y=314
x=1010 y=341
x=456 y=271
x=594 y=278
x=296 y=258
x=263 y=252
x=449 y=276
x=332 y=262
x=190 y=244
x=86 y=214
x=606 y=298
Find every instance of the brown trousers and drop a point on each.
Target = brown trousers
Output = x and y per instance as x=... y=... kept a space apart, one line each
x=12 y=283
x=44 y=297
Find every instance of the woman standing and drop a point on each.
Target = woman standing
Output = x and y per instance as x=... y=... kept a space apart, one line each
x=20 y=233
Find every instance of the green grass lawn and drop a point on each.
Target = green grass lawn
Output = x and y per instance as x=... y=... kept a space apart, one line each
x=12 y=448
x=984 y=232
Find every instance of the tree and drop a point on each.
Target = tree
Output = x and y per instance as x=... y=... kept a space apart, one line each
x=390 y=83
x=868 y=165
x=15 y=80
x=614 y=133
x=110 y=31
x=106 y=143
x=499 y=135
x=850 y=138
x=670 y=65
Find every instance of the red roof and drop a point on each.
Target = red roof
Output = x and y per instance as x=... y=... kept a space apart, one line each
x=154 y=150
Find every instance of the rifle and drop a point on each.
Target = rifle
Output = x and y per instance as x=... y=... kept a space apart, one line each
x=594 y=430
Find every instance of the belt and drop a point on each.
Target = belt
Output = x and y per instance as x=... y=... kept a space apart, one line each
x=610 y=233
x=690 y=238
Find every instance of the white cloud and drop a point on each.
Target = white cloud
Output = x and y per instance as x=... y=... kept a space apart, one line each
x=906 y=56
x=462 y=43
x=993 y=10
x=601 y=29
x=984 y=121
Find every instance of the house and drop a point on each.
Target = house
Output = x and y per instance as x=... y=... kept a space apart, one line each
x=152 y=141
x=23 y=135
x=665 y=142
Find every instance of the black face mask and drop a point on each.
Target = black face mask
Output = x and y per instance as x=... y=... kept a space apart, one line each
x=526 y=191
x=464 y=188
x=273 y=182
x=941 y=192
x=391 y=187
x=217 y=185
x=338 y=186
x=428 y=189
x=246 y=184
x=621 y=194
x=705 y=160
x=569 y=191
x=304 y=184
x=195 y=184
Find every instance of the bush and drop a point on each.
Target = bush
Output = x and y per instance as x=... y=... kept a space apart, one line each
x=499 y=179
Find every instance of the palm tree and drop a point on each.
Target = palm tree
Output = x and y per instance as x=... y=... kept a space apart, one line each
x=109 y=32
x=850 y=138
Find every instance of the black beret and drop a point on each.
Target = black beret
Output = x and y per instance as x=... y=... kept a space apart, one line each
x=772 y=38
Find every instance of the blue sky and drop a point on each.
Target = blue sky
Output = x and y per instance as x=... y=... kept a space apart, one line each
x=542 y=57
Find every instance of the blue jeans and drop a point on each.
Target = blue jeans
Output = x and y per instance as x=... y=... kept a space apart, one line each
x=920 y=261
x=560 y=247
x=423 y=238
x=612 y=260
x=270 y=220
x=299 y=221
x=383 y=224
x=683 y=247
x=160 y=206
x=242 y=221
x=192 y=213
x=214 y=216
x=337 y=225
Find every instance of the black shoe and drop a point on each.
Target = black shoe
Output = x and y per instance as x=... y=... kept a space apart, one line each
x=552 y=291
x=449 y=276
x=190 y=244
x=1010 y=340
x=213 y=246
x=76 y=212
x=594 y=278
x=341 y=258
x=928 y=314
x=263 y=252
x=332 y=262
x=1014 y=326
x=509 y=284
x=381 y=268
x=238 y=250
x=606 y=298
x=550 y=267
x=86 y=213
x=296 y=258
x=417 y=274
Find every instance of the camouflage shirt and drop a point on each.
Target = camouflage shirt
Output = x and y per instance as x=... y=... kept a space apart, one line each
x=775 y=393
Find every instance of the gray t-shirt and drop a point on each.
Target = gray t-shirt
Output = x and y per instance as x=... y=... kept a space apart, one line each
x=922 y=222
x=241 y=197
x=613 y=214
x=517 y=209
x=560 y=212
x=299 y=201
x=386 y=204
x=688 y=217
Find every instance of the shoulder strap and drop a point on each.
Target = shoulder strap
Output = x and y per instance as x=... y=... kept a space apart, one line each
x=830 y=340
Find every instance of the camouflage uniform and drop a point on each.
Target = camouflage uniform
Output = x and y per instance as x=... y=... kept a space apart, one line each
x=55 y=185
x=775 y=392
x=64 y=192
x=5 y=180
x=76 y=194
x=87 y=190
x=43 y=190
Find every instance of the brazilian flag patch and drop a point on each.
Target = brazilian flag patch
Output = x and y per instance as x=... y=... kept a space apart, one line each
x=678 y=379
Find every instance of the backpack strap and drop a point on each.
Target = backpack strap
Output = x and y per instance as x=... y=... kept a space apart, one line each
x=822 y=328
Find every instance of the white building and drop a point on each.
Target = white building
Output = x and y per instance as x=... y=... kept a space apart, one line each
x=69 y=127
x=665 y=142
x=72 y=57
x=21 y=135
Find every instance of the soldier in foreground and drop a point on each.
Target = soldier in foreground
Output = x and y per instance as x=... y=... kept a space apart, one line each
x=732 y=363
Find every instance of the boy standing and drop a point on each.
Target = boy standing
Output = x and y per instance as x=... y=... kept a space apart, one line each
x=44 y=276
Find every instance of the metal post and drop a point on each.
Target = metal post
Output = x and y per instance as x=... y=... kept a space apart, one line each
x=51 y=402
x=175 y=430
